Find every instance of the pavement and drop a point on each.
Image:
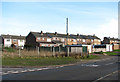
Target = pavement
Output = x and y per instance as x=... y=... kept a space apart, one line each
x=93 y=70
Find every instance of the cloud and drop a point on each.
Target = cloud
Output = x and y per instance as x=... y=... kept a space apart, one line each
x=109 y=29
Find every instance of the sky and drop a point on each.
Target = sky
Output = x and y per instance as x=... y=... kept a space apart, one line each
x=88 y=18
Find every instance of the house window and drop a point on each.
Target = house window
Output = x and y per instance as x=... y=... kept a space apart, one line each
x=98 y=40
x=74 y=40
x=83 y=40
x=14 y=40
x=48 y=40
x=91 y=40
x=8 y=40
x=38 y=38
x=53 y=38
x=21 y=40
x=42 y=38
x=62 y=39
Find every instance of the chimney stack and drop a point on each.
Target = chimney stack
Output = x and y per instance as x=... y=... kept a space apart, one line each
x=41 y=32
x=67 y=34
x=55 y=33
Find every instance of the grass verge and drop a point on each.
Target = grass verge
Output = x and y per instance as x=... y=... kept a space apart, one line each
x=111 y=53
x=41 y=61
x=35 y=61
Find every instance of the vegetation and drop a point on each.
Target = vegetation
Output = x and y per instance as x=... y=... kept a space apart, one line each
x=37 y=61
x=9 y=49
x=118 y=50
x=115 y=52
x=111 y=53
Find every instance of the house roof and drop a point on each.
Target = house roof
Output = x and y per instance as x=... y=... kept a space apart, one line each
x=46 y=42
x=13 y=36
x=55 y=41
x=48 y=34
x=75 y=45
x=113 y=38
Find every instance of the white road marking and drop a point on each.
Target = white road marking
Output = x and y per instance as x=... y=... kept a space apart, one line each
x=31 y=70
x=90 y=65
x=4 y=73
x=45 y=68
x=24 y=71
x=15 y=72
x=105 y=76
x=108 y=63
x=61 y=66
x=39 y=69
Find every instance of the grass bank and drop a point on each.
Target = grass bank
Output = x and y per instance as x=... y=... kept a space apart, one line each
x=115 y=52
x=42 y=61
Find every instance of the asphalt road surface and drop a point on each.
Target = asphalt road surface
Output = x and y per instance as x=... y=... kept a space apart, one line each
x=94 y=71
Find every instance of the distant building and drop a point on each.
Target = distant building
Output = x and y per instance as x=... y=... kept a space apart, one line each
x=36 y=39
x=108 y=40
x=114 y=41
x=9 y=40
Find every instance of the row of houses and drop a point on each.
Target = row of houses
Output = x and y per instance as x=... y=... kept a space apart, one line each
x=38 y=39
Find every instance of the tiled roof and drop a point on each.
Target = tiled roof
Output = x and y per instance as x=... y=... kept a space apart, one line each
x=113 y=38
x=55 y=41
x=47 y=34
x=13 y=36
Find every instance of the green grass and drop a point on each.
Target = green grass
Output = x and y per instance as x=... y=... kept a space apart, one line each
x=41 y=61
x=117 y=50
x=111 y=53
x=9 y=49
x=32 y=61
x=91 y=57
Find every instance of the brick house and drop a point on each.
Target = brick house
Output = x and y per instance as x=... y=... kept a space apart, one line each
x=36 y=39
x=55 y=39
x=114 y=41
x=87 y=39
x=17 y=41
x=108 y=40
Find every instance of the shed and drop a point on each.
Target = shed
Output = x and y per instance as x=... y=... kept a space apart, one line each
x=103 y=48
x=77 y=49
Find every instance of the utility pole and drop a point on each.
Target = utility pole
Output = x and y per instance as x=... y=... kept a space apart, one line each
x=67 y=36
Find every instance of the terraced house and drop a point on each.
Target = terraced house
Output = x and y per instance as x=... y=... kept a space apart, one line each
x=114 y=41
x=9 y=40
x=55 y=39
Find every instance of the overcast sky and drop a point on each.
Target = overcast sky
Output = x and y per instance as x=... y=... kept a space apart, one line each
x=99 y=18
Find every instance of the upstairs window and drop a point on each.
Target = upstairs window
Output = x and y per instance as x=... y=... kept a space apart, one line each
x=62 y=39
x=38 y=38
x=8 y=40
x=83 y=40
x=21 y=40
x=14 y=40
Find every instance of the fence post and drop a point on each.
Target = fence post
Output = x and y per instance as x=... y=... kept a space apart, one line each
x=38 y=51
x=53 y=51
x=59 y=48
x=68 y=51
x=19 y=52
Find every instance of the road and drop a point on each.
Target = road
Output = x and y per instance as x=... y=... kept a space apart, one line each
x=94 y=71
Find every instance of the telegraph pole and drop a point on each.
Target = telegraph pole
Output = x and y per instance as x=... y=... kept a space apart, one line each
x=67 y=36
x=66 y=25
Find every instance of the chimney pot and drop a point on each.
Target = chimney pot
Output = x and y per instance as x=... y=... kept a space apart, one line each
x=55 y=33
x=41 y=32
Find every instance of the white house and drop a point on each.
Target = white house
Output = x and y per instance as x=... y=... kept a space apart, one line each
x=17 y=41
